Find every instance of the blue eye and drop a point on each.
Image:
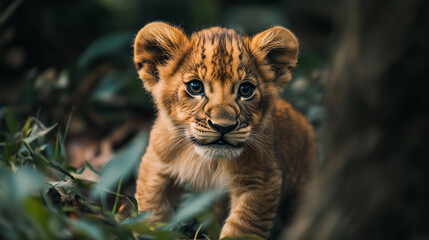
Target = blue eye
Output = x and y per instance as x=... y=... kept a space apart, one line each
x=195 y=87
x=246 y=90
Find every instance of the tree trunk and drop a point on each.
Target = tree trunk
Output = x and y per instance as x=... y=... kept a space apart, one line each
x=374 y=180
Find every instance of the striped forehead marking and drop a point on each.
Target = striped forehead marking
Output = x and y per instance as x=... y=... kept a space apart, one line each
x=223 y=50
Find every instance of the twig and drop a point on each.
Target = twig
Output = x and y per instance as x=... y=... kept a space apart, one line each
x=196 y=234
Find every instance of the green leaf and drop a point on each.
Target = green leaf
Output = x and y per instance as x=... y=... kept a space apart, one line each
x=10 y=121
x=121 y=165
x=118 y=190
x=148 y=230
x=67 y=126
x=57 y=145
x=24 y=183
x=38 y=122
x=133 y=202
x=109 y=86
x=210 y=223
x=42 y=160
x=138 y=219
x=37 y=134
x=104 y=46
x=40 y=218
x=192 y=207
x=59 y=169
x=92 y=168
x=80 y=171
x=27 y=125
x=10 y=149
x=87 y=228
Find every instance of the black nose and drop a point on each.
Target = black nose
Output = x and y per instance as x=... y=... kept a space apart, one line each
x=223 y=129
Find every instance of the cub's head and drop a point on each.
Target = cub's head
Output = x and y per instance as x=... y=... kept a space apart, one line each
x=217 y=88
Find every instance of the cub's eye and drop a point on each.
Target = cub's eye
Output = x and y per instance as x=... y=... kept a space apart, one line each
x=246 y=90
x=195 y=87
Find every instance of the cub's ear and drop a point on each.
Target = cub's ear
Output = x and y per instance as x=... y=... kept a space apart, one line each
x=276 y=53
x=156 y=44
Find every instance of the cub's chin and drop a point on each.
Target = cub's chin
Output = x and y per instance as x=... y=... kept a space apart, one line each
x=213 y=151
x=217 y=148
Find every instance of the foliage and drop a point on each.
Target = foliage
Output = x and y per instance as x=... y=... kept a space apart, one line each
x=42 y=197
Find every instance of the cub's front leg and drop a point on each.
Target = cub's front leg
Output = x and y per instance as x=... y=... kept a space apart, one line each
x=155 y=190
x=254 y=200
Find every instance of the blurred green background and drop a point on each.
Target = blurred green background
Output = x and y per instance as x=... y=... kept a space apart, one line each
x=66 y=57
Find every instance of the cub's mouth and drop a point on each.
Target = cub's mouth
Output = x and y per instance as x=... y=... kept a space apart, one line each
x=218 y=149
x=217 y=143
x=213 y=141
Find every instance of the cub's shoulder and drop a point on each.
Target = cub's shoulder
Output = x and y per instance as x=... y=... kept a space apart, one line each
x=285 y=110
x=287 y=118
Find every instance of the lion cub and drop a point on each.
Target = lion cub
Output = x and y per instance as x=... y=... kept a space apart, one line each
x=221 y=122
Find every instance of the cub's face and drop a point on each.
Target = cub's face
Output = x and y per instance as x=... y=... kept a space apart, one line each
x=216 y=87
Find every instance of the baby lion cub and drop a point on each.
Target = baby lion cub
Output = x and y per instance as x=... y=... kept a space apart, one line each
x=221 y=123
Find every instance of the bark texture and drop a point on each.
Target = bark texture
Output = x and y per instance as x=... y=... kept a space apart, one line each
x=374 y=180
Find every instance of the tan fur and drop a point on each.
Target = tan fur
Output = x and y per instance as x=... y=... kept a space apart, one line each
x=272 y=147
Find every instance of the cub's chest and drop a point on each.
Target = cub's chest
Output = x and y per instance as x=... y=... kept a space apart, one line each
x=201 y=174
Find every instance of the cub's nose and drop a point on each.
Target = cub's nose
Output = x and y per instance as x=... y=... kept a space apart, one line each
x=223 y=128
